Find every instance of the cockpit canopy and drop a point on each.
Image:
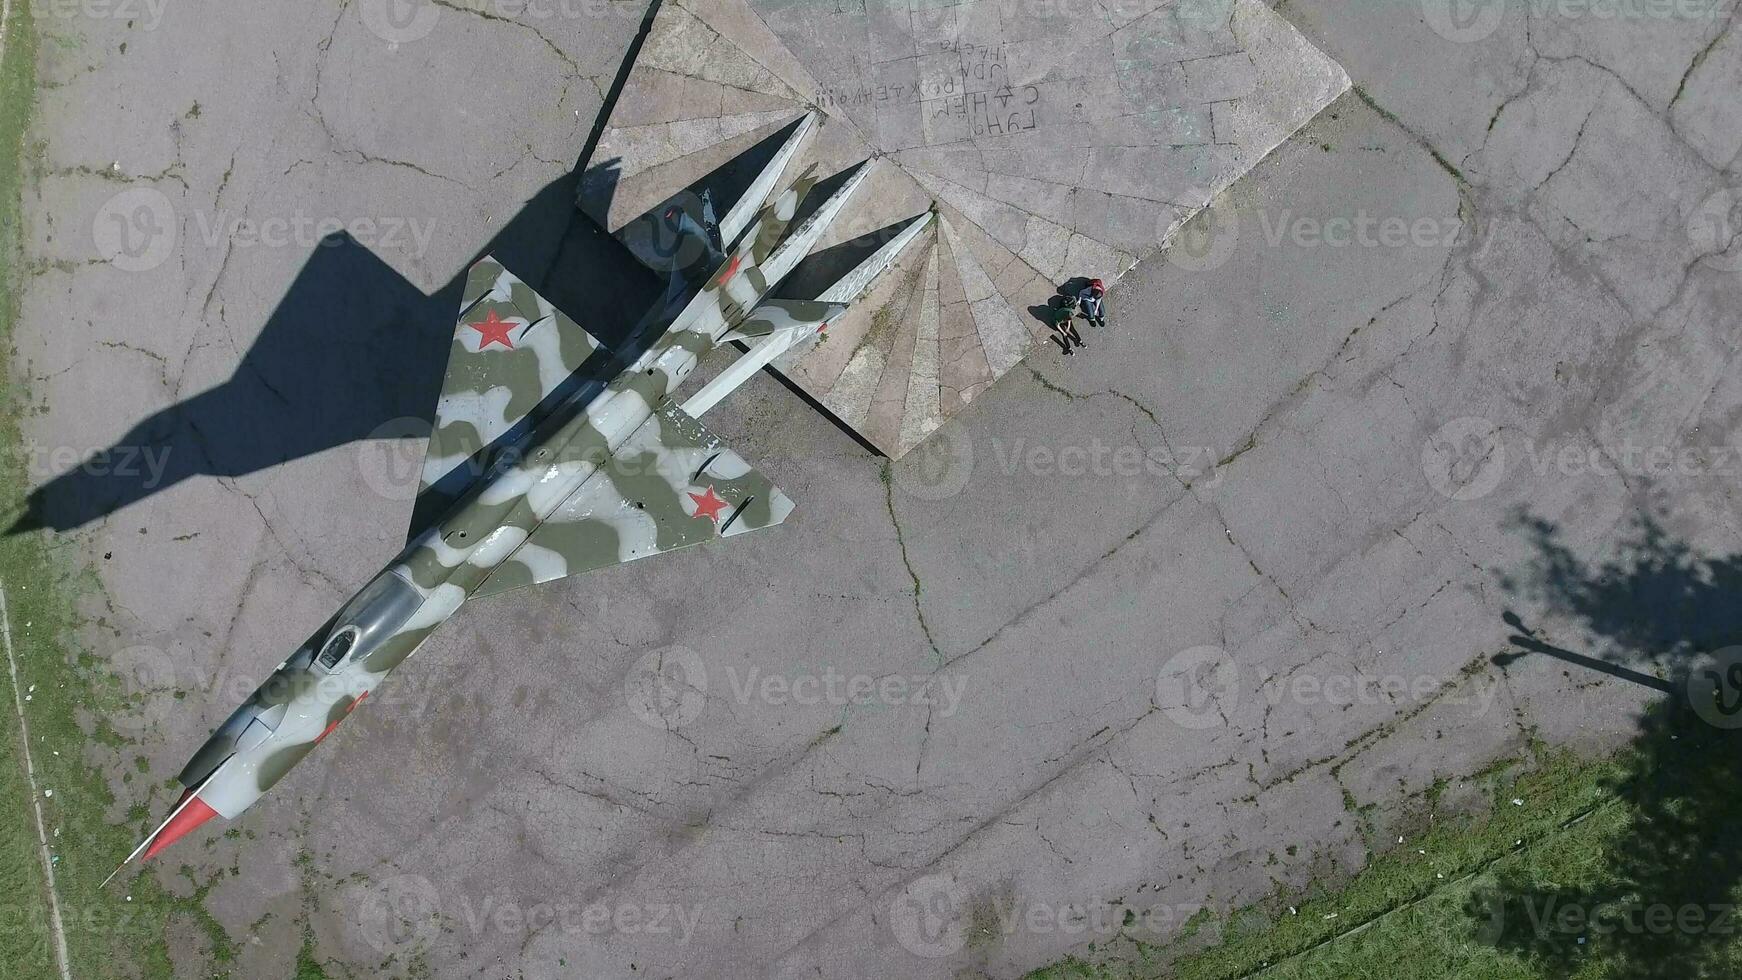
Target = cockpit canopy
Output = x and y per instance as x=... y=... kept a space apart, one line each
x=376 y=613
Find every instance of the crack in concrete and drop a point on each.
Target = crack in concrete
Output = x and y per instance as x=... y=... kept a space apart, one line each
x=1699 y=59
x=482 y=14
x=907 y=562
x=1572 y=151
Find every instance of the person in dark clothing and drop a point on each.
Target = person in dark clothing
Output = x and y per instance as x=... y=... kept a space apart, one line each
x=1064 y=326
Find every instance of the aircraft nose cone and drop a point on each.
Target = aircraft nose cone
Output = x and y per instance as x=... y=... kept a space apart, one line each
x=196 y=812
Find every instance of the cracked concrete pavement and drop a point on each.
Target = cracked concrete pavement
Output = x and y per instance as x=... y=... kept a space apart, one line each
x=1204 y=595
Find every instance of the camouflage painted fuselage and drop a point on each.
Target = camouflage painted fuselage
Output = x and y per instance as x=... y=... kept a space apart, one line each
x=543 y=463
x=604 y=478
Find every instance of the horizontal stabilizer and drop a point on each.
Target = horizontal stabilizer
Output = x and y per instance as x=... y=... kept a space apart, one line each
x=671 y=486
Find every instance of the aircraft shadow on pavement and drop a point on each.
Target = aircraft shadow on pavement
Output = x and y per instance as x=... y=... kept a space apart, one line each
x=355 y=351
x=352 y=351
x=1657 y=899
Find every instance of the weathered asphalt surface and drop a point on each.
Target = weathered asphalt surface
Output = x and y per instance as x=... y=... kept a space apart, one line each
x=1389 y=404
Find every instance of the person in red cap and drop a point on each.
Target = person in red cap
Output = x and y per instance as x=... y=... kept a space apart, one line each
x=1092 y=301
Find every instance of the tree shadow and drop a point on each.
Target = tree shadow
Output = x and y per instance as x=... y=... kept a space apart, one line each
x=1659 y=899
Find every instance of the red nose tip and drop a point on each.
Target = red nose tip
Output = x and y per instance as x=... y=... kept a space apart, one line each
x=195 y=813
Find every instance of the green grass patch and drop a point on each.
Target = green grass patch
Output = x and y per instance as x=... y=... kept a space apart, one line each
x=1618 y=868
x=25 y=931
x=307 y=966
x=120 y=931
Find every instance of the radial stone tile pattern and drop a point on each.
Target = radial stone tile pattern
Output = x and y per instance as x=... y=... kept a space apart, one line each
x=1055 y=138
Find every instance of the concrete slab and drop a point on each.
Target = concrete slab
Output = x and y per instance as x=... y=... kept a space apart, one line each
x=1260 y=467
x=1077 y=143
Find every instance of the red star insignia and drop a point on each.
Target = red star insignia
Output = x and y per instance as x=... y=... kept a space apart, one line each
x=494 y=330
x=731 y=269
x=708 y=505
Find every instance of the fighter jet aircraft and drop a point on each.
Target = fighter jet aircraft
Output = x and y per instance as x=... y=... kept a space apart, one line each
x=532 y=492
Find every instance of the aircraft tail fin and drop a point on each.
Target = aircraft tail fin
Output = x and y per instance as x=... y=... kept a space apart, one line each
x=687 y=232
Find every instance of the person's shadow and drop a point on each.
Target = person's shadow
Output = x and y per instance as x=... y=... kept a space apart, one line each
x=354 y=351
x=1074 y=285
x=1656 y=898
x=1052 y=315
